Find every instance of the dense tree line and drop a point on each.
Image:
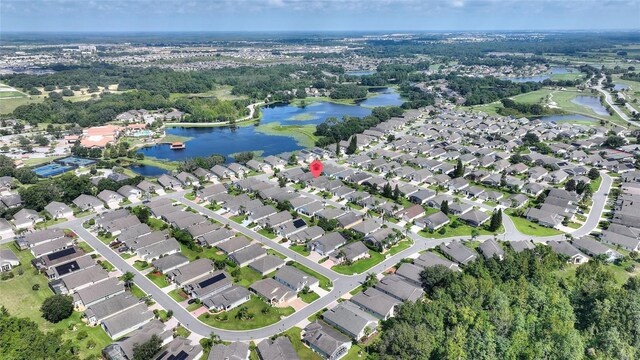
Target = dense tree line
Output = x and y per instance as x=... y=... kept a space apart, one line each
x=20 y=339
x=633 y=76
x=333 y=130
x=516 y=108
x=415 y=97
x=348 y=91
x=519 y=308
x=105 y=109
x=484 y=90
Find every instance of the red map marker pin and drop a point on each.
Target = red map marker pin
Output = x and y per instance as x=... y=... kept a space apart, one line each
x=316 y=168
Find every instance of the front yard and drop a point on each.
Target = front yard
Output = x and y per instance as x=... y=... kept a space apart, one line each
x=253 y=314
x=530 y=228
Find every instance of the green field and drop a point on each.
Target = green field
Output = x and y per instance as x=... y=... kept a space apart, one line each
x=303 y=134
x=11 y=94
x=254 y=306
x=309 y=297
x=159 y=279
x=18 y=297
x=8 y=105
x=248 y=276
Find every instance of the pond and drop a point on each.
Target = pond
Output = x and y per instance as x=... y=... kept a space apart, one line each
x=620 y=87
x=148 y=170
x=592 y=103
x=566 y=118
x=542 y=77
x=226 y=140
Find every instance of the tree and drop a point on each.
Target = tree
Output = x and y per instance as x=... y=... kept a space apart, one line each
x=444 y=207
x=387 y=191
x=474 y=233
x=338 y=150
x=57 y=308
x=593 y=174
x=370 y=281
x=293 y=159
x=41 y=140
x=353 y=145
x=435 y=277
x=530 y=139
x=496 y=220
x=570 y=185
x=614 y=141
x=459 y=170
x=25 y=175
x=147 y=349
x=243 y=157
x=396 y=193
x=128 y=279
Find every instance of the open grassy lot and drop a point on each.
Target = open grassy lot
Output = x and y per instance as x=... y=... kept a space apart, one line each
x=137 y=292
x=21 y=300
x=530 y=228
x=461 y=229
x=324 y=282
x=255 y=318
x=8 y=105
x=178 y=295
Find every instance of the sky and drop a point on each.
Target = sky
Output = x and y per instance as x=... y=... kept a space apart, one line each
x=315 y=15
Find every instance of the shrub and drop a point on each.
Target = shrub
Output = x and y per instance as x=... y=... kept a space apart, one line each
x=82 y=335
x=35 y=287
x=57 y=308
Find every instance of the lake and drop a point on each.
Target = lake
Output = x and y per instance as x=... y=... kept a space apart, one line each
x=542 y=77
x=591 y=102
x=563 y=118
x=226 y=140
x=148 y=170
x=620 y=87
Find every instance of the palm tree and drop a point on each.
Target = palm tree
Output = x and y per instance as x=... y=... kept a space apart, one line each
x=128 y=279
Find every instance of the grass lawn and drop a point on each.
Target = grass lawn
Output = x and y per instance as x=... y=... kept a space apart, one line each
x=190 y=196
x=309 y=297
x=193 y=307
x=361 y=265
x=156 y=224
x=182 y=332
x=275 y=253
x=266 y=234
x=137 y=292
x=300 y=249
x=126 y=255
x=530 y=228
x=355 y=352
x=304 y=352
x=178 y=295
x=18 y=297
x=163 y=315
x=248 y=276
x=84 y=246
x=254 y=307
x=141 y=265
x=107 y=265
x=402 y=245
x=105 y=239
x=356 y=290
x=48 y=223
x=574 y=225
x=324 y=282
x=239 y=218
x=159 y=279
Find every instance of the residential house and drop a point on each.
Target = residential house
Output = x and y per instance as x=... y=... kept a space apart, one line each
x=8 y=260
x=295 y=279
x=574 y=255
x=272 y=291
x=58 y=210
x=351 y=320
x=458 y=252
x=376 y=302
x=326 y=341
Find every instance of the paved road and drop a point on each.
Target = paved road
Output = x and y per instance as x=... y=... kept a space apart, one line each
x=599 y=201
x=609 y=100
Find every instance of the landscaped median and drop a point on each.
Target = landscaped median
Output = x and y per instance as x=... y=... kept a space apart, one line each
x=253 y=314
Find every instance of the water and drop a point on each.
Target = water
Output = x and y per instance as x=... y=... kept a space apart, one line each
x=386 y=97
x=359 y=72
x=543 y=77
x=226 y=140
x=620 y=87
x=148 y=170
x=563 y=118
x=592 y=103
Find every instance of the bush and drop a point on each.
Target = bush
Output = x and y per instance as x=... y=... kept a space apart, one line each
x=35 y=287
x=91 y=344
x=20 y=271
x=82 y=335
